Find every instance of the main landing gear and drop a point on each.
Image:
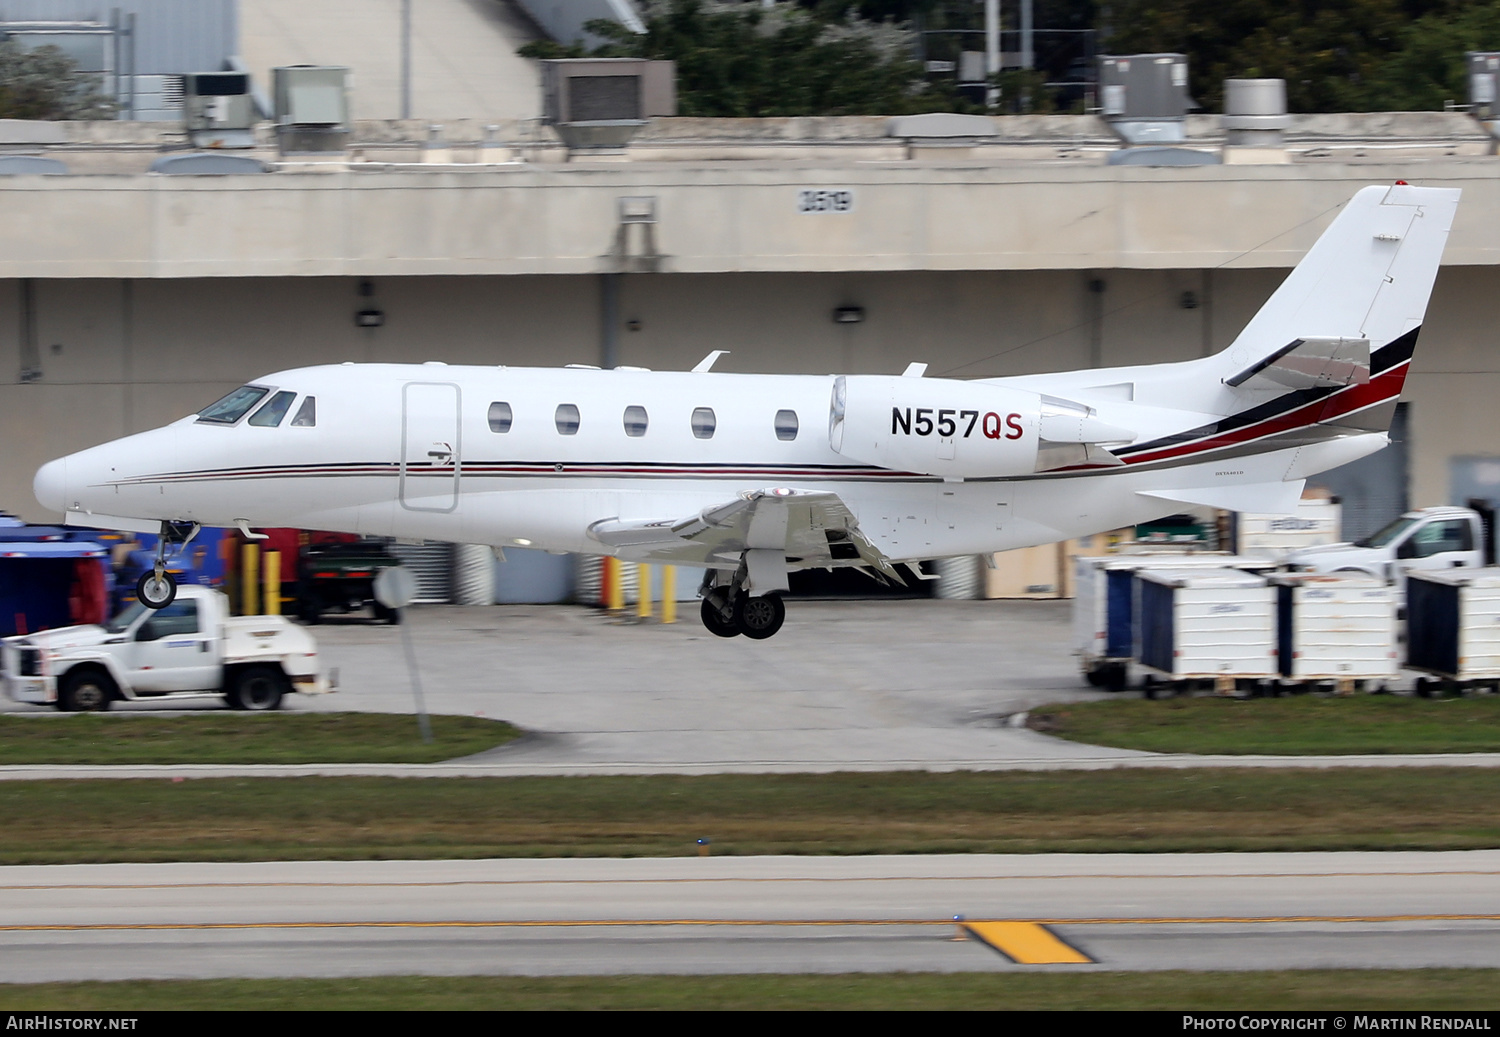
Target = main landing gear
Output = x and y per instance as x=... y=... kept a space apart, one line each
x=157 y=588
x=729 y=610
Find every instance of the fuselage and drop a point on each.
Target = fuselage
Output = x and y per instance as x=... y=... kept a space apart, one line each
x=535 y=457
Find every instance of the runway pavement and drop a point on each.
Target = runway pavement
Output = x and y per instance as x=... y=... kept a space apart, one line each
x=766 y=914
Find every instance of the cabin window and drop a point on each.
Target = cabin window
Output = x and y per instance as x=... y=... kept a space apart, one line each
x=635 y=422
x=270 y=415
x=704 y=422
x=307 y=414
x=500 y=417
x=786 y=425
x=567 y=419
x=234 y=406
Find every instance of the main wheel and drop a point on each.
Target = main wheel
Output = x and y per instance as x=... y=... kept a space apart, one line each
x=156 y=592
x=85 y=690
x=257 y=688
x=759 y=617
x=715 y=621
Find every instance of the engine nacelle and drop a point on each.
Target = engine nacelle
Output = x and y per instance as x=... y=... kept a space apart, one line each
x=964 y=430
x=935 y=426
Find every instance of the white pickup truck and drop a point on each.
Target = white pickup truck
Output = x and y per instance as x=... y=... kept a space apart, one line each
x=190 y=648
x=1432 y=538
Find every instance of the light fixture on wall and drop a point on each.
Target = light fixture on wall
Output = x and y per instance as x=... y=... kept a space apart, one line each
x=848 y=314
x=1189 y=301
x=369 y=318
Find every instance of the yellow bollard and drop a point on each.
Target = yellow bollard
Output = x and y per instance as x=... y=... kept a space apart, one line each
x=614 y=585
x=273 y=583
x=249 y=583
x=669 y=594
x=643 y=598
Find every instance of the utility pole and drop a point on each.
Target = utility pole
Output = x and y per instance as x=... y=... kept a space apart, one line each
x=406 y=59
x=991 y=50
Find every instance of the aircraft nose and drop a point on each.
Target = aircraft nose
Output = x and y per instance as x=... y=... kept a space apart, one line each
x=51 y=485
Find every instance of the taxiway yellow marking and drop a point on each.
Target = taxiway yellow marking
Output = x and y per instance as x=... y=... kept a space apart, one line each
x=584 y=923
x=1027 y=943
x=712 y=880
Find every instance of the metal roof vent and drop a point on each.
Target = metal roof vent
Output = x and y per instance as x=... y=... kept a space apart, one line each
x=596 y=105
x=1484 y=80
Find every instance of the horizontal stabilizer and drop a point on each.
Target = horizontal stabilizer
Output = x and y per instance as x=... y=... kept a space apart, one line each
x=1310 y=363
x=1267 y=498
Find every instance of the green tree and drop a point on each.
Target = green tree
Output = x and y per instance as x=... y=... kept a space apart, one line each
x=1336 y=55
x=745 y=61
x=45 y=84
x=1429 y=69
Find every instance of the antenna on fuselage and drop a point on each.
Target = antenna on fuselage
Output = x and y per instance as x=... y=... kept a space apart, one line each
x=709 y=361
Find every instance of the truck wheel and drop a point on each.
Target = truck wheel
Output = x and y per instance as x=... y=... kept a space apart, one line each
x=257 y=688
x=310 y=609
x=1115 y=677
x=386 y=614
x=85 y=691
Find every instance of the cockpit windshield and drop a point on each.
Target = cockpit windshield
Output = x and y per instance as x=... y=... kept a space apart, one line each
x=234 y=406
x=271 y=414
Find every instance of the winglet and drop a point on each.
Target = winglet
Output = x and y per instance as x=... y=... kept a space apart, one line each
x=708 y=361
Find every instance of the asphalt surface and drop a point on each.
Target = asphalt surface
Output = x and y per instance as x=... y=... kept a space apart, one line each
x=751 y=914
x=847 y=685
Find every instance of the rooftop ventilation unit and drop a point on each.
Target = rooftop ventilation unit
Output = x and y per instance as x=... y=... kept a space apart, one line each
x=311 y=104
x=596 y=105
x=218 y=111
x=1484 y=79
x=1145 y=97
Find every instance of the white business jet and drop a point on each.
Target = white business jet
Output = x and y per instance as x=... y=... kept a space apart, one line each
x=753 y=476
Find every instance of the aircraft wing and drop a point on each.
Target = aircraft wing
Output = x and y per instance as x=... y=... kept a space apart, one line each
x=811 y=529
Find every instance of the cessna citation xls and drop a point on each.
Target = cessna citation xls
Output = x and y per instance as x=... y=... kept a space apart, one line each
x=752 y=476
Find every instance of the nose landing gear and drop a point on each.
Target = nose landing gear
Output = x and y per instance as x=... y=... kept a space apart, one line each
x=157 y=588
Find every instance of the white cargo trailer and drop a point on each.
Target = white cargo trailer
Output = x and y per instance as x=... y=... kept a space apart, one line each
x=1104 y=606
x=1205 y=624
x=1453 y=626
x=1338 y=627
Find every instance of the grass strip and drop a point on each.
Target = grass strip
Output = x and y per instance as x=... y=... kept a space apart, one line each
x=231 y=737
x=240 y=819
x=1367 y=990
x=1295 y=725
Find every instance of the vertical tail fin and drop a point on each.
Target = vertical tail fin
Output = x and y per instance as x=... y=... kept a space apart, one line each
x=1367 y=278
x=1333 y=344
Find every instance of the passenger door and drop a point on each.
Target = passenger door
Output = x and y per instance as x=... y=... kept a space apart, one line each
x=430 y=447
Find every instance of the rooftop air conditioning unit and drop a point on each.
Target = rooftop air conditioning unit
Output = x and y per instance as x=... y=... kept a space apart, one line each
x=218 y=111
x=311 y=104
x=1144 y=97
x=598 y=104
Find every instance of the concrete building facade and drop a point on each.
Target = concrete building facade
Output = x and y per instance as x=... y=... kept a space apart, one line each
x=127 y=301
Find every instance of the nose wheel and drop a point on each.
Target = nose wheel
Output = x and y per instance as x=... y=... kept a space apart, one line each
x=156 y=590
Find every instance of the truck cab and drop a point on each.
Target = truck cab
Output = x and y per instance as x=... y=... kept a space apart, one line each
x=1431 y=538
x=190 y=648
